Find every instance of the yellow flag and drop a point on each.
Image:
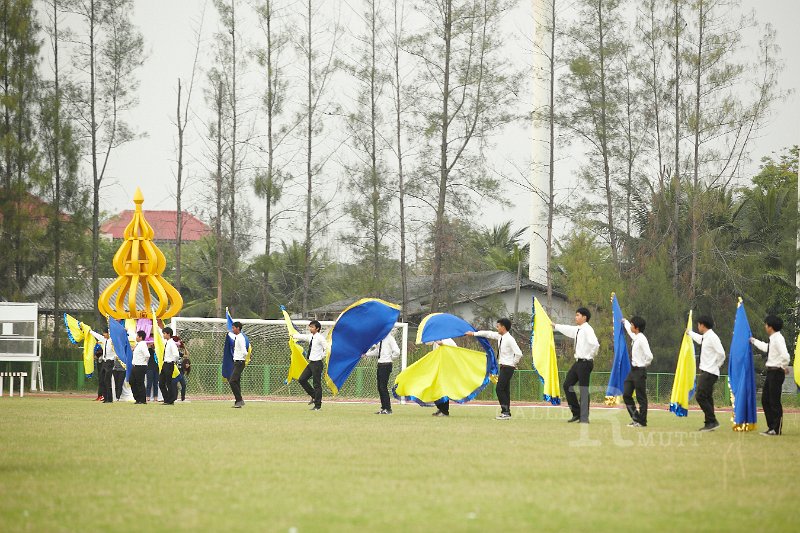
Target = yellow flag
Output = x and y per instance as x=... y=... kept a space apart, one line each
x=297 y=362
x=796 y=361
x=683 y=386
x=544 y=354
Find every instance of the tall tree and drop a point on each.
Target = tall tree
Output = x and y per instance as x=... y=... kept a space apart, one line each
x=110 y=51
x=467 y=90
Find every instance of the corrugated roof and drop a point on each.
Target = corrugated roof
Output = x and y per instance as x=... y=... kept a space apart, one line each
x=76 y=296
x=164 y=224
x=464 y=287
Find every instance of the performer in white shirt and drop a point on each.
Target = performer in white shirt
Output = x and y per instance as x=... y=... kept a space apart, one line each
x=508 y=356
x=239 y=358
x=107 y=367
x=641 y=357
x=169 y=390
x=586 y=347
x=317 y=346
x=140 y=357
x=386 y=351
x=777 y=368
x=712 y=355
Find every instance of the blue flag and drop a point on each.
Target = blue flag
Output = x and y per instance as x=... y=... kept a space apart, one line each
x=122 y=346
x=741 y=374
x=439 y=326
x=621 y=366
x=363 y=324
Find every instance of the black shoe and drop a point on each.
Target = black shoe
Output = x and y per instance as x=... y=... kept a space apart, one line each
x=315 y=408
x=710 y=427
x=573 y=419
x=770 y=433
x=311 y=402
x=439 y=413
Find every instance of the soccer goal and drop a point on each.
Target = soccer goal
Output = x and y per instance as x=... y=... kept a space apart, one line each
x=265 y=376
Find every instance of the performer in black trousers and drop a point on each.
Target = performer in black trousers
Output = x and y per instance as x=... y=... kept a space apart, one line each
x=140 y=357
x=777 y=368
x=106 y=371
x=168 y=388
x=712 y=355
x=508 y=356
x=317 y=346
x=386 y=351
x=239 y=358
x=586 y=347
x=641 y=357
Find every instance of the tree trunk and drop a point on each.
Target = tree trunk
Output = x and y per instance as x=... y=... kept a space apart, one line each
x=676 y=173
x=551 y=174
x=436 y=289
x=57 y=192
x=96 y=178
x=374 y=159
x=696 y=178
x=219 y=191
x=270 y=159
x=309 y=133
x=401 y=177
x=604 y=140
x=179 y=214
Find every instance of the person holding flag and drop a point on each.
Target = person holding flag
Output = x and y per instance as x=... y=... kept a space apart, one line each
x=140 y=357
x=169 y=390
x=508 y=356
x=317 y=346
x=239 y=361
x=107 y=366
x=777 y=368
x=712 y=355
x=586 y=347
x=443 y=405
x=386 y=351
x=641 y=357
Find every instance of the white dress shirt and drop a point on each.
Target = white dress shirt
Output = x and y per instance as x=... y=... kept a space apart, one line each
x=641 y=356
x=140 y=354
x=777 y=353
x=508 y=353
x=318 y=344
x=712 y=354
x=239 y=346
x=586 y=343
x=386 y=350
x=170 y=351
x=108 y=347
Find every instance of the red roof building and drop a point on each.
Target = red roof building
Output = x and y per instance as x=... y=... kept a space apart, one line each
x=164 y=224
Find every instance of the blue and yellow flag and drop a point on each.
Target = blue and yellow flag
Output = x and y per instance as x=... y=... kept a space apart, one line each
x=446 y=372
x=159 y=346
x=683 y=386
x=122 y=345
x=78 y=332
x=621 y=366
x=227 y=350
x=358 y=328
x=741 y=374
x=297 y=363
x=543 y=347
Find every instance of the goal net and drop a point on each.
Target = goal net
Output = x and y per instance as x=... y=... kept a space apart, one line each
x=265 y=376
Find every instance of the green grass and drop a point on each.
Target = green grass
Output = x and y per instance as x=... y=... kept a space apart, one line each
x=75 y=465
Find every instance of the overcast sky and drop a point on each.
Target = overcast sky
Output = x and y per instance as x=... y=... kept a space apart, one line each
x=168 y=28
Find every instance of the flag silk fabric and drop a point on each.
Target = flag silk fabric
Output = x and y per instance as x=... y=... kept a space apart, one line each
x=122 y=345
x=446 y=372
x=159 y=345
x=227 y=350
x=78 y=332
x=362 y=325
x=741 y=374
x=543 y=346
x=684 y=383
x=297 y=363
x=621 y=366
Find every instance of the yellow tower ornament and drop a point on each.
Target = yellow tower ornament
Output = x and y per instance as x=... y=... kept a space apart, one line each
x=139 y=264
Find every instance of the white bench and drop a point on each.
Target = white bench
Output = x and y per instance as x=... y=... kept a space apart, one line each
x=12 y=375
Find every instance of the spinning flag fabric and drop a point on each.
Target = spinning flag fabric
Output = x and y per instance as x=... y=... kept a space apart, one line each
x=741 y=375
x=297 y=362
x=122 y=345
x=159 y=345
x=359 y=327
x=76 y=332
x=227 y=352
x=796 y=361
x=543 y=347
x=447 y=372
x=683 y=386
x=621 y=366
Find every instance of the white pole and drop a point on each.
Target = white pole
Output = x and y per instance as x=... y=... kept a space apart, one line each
x=540 y=150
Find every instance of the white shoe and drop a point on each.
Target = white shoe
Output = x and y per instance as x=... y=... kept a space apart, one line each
x=503 y=416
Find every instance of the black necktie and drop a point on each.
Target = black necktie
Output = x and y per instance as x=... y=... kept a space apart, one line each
x=310 y=344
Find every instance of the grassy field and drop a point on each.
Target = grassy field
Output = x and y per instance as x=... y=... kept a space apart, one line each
x=75 y=465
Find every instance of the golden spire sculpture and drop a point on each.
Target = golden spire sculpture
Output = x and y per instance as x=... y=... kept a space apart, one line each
x=139 y=263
